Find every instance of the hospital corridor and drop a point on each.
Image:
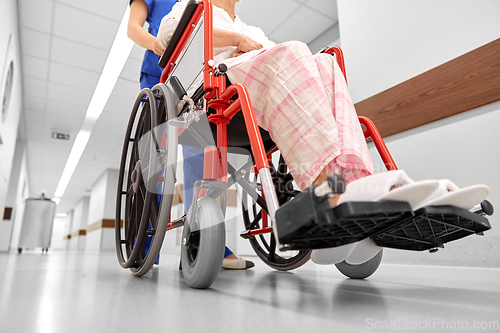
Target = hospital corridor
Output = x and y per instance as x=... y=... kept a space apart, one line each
x=249 y=166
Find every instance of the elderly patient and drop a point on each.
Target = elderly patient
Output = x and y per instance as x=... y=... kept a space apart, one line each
x=301 y=99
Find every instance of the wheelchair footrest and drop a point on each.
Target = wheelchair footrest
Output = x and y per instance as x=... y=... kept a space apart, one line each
x=431 y=227
x=305 y=223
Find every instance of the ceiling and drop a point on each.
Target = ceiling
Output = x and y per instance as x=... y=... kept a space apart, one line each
x=64 y=45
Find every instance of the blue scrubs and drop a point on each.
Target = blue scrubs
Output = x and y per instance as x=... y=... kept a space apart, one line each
x=150 y=76
x=157 y=9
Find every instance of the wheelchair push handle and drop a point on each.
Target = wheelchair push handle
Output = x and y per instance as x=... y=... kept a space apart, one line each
x=179 y=90
x=177 y=86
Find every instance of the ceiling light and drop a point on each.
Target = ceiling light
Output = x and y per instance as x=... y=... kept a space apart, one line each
x=117 y=57
x=74 y=157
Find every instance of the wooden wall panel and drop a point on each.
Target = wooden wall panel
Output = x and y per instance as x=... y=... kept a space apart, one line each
x=464 y=83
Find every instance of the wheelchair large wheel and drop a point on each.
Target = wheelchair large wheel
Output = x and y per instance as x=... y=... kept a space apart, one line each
x=265 y=245
x=202 y=246
x=146 y=180
x=363 y=270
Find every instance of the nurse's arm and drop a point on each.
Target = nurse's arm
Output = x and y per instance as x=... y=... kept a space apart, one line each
x=135 y=30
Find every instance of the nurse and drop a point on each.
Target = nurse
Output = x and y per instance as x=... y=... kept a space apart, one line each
x=152 y=11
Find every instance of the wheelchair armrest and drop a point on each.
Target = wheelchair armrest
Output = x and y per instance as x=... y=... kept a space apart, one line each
x=183 y=22
x=339 y=56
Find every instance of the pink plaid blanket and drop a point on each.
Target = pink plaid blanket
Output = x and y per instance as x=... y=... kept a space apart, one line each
x=303 y=101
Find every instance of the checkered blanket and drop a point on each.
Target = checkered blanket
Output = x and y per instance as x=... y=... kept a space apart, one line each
x=303 y=101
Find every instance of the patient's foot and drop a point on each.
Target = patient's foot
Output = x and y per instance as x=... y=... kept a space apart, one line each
x=334 y=200
x=395 y=186
x=336 y=185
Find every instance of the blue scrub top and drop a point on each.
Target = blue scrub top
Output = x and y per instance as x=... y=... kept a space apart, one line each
x=157 y=9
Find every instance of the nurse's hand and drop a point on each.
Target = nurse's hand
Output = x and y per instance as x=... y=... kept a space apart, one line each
x=157 y=48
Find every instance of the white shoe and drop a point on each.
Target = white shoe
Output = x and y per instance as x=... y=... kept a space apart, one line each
x=332 y=255
x=237 y=263
x=362 y=252
x=377 y=187
x=450 y=194
x=418 y=194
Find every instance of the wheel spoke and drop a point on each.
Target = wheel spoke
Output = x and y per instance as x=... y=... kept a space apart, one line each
x=265 y=244
x=144 y=146
x=254 y=209
x=255 y=222
x=153 y=213
x=139 y=205
x=282 y=167
x=134 y=155
x=142 y=190
x=131 y=231
x=137 y=220
x=272 y=247
x=130 y=191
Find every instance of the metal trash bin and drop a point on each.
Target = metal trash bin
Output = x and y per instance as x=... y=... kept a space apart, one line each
x=37 y=224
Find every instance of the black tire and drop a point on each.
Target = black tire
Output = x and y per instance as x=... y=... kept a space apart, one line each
x=20 y=250
x=147 y=194
x=202 y=244
x=363 y=270
x=265 y=245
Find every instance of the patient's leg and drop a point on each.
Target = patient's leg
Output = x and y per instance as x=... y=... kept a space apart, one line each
x=313 y=122
x=350 y=166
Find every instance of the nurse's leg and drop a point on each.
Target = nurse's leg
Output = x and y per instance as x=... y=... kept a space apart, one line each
x=193 y=171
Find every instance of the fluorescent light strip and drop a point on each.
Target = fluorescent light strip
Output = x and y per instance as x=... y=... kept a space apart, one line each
x=117 y=57
x=74 y=157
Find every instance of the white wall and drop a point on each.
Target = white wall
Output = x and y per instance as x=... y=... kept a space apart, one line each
x=102 y=206
x=80 y=220
x=390 y=41
x=328 y=38
x=9 y=121
x=59 y=231
x=21 y=194
x=68 y=227
x=6 y=226
x=451 y=28
x=386 y=42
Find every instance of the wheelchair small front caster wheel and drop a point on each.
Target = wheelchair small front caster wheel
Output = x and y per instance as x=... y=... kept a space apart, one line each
x=203 y=240
x=363 y=270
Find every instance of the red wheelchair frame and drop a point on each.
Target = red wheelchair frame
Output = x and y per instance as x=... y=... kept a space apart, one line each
x=220 y=98
x=147 y=209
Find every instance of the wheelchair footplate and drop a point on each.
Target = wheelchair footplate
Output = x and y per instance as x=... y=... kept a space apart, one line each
x=308 y=222
x=430 y=227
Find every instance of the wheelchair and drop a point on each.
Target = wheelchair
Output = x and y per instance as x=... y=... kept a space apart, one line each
x=209 y=116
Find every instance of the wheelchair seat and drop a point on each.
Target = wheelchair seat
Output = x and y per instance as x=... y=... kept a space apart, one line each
x=237 y=135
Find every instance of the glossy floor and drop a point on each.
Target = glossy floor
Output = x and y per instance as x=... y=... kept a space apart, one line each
x=81 y=292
